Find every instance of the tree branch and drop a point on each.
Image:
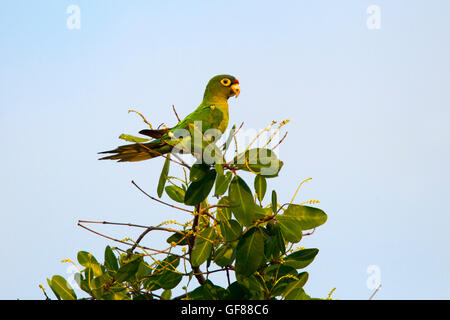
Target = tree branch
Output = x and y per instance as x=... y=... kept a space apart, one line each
x=191 y=241
x=153 y=198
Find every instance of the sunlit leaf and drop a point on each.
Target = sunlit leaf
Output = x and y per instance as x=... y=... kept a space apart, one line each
x=242 y=203
x=163 y=176
x=88 y=260
x=110 y=259
x=230 y=229
x=301 y=258
x=274 y=201
x=128 y=270
x=202 y=246
x=222 y=183
x=309 y=217
x=175 y=193
x=177 y=238
x=259 y=161
x=62 y=288
x=130 y=138
x=293 y=289
x=223 y=211
x=260 y=186
x=224 y=255
x=249 y=252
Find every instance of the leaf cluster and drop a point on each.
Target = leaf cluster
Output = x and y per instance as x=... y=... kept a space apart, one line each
x=233 y=228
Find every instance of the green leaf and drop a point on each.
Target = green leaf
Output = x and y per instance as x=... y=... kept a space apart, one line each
x=166 y=295
x=293 y=288
x=117 y=294
x=274 y=201
x=282 y=276
x=98 y=284
x=276 y=271
x=230 y=229
x=260 y=186
x=128 y=270
x=202 y=246
x=301 y=258
x=269 y=245
x=175 y=193
x=242 y=203
x=219 y=168
x=130 y=138
x=260 y=161
x=168 y=279
x=309 y=217
x=110 y=259
x=82 y=283
x=222 y=183
x=165 y=275
x=223 y=213
x=297 y=294
x=176 y=237
x=62 y=288
x=291 y=228
x=143 y=271
x=199 y=190
x=51 y=287
x=170 y=262
x=237 y=291
x=254 y=286
x=224 y=255
x=277 y=245
x=209 y=260
x=198 y=172
x=207 y=291
x=297 y=218
x=249 y=252
x=88 y=261
x=163 y=176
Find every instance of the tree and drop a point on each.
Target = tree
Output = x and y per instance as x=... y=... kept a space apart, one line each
x=233 y=229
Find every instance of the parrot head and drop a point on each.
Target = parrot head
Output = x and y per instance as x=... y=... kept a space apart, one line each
x=222 y=87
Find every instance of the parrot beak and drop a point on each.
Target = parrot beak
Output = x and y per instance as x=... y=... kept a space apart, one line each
x=235 y=88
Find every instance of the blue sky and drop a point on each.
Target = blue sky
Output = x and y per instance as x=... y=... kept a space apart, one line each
x=369 y=111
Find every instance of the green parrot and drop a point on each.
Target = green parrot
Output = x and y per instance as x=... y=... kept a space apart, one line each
x=212 y=112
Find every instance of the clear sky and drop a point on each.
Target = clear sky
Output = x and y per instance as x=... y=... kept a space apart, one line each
x=369 y=111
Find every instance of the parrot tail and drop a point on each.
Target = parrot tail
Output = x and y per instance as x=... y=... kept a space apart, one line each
x=138 y=151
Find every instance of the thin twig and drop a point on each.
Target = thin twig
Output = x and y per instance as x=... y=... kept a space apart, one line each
x=143 y=118
x=153 y=198
x=103 y=235
x=309 y=233
x=228 y=276
x=218 y=205
x=184 y=164
x=176 y=114
x=375 y=292
x=279 y=142
x=127 y=243
x=130 y=225
x=142 y=235
x=234 y=138
x=113 y=223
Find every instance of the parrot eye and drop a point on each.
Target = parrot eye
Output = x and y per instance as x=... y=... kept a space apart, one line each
x=225 y=81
